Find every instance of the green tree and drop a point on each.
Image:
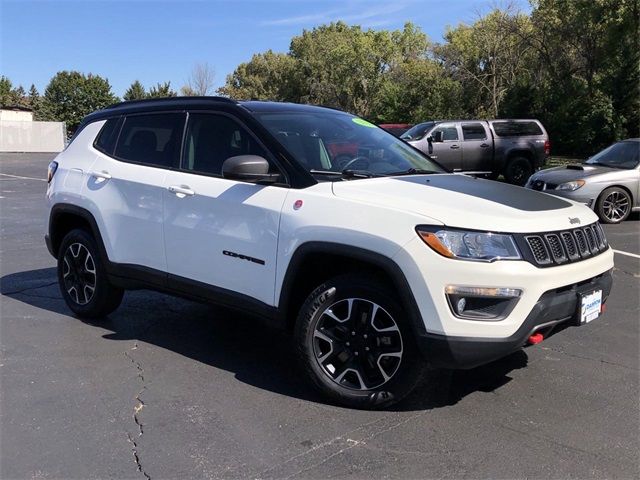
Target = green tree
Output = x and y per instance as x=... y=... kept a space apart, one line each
x=135 y=92
x=71 y=95
x=267 y=76
x=487 y=57
x=161 y=90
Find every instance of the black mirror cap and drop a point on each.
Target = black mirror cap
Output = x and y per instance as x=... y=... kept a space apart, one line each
x=248 y=168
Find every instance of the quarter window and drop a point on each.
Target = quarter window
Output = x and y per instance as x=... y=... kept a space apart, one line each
x=151 y=139
x=108 y=135
x=211 y=139
x=473 y=131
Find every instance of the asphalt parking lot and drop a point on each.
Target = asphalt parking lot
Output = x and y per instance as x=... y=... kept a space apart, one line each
x=169 y=388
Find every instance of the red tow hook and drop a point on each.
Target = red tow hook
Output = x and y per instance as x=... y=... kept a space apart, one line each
x=535 y=339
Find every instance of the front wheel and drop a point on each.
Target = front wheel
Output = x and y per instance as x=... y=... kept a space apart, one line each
x=613 y=205
x=355 y=344
x=83 y=279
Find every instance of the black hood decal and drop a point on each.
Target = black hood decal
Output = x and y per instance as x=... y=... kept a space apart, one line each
x=503 y=193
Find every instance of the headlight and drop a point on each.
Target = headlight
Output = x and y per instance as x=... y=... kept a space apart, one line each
x=571 y=186
x=465 y=245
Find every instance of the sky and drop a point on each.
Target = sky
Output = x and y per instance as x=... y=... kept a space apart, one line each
x=156 y=41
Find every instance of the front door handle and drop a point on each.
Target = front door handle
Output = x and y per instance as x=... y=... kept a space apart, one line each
x=103 y=175
x=484 y=145
x=454 y=147
x=181 y=191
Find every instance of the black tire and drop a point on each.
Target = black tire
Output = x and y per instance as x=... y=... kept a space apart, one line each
x=368 y=388
x=82 y=277
x=518 y=171
x=613 y=205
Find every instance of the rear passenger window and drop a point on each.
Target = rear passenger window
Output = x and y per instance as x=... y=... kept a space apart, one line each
x=473 y=131
x=106 y=140
x=516 y=129
x=151 y=139
x=211 y=139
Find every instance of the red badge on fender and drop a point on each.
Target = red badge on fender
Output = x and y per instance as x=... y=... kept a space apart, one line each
x=297 y=205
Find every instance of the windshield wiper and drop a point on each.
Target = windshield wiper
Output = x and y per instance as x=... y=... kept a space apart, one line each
x=412 y=171
x=347 y=173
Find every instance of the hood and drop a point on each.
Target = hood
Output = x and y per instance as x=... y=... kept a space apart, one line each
x=569 y=173
x=470 y=203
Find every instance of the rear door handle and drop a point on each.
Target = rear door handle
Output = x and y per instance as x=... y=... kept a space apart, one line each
x=484 y=145
x=181 y=191
x=454 y=147
x=103 y=175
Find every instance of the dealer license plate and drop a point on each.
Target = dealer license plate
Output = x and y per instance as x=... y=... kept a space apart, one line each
x=590 y=306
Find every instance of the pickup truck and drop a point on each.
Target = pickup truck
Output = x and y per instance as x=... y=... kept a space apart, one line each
x=514 y=148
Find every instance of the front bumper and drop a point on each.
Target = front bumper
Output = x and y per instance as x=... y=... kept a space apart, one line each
x=555 y=309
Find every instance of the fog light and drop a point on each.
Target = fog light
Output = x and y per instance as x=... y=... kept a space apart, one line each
x=481 y=303
x=461 y=304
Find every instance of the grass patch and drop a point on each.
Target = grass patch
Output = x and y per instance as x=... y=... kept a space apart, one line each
x=561 y=161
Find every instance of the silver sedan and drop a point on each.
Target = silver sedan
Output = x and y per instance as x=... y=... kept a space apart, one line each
x=608 y=182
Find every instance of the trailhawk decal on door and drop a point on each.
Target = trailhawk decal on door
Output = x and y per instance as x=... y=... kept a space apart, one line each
x=243 y=257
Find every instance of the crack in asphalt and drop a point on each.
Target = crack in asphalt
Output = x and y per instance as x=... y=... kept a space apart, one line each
x=26 y=289
x=631 y=274
x=572 y=355
x=136 y=412
x=351 y=443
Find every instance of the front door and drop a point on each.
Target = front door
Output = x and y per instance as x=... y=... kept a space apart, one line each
x=448 y=152
x=221 y=232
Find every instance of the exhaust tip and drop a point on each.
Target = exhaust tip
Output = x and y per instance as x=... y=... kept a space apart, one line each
x=535 y=339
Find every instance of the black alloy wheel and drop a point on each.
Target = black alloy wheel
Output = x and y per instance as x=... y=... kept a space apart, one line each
x=82 y=276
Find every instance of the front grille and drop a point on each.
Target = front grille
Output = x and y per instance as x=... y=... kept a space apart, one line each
x=556 y=248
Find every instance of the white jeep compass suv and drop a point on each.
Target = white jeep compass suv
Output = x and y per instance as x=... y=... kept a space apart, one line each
x=380 y=261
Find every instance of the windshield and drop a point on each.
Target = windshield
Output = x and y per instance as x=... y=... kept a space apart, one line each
x=335 y=142
x=417 y=132
x=619 y=155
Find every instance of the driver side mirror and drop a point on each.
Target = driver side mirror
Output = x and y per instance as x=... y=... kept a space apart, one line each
x=437 y=137
x=249 y=168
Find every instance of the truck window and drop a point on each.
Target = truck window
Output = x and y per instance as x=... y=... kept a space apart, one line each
x=473 y=131
x=449 y=132
x=516 y=129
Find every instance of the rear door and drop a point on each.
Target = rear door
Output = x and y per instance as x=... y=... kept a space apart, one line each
x=449 y=151
x=477 y=147
x=126 y=185
x=221 y=232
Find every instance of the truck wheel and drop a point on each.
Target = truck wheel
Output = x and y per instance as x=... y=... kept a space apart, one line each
x=83 y=279
x=518 y=171
x=355 y=345
x=613 y=205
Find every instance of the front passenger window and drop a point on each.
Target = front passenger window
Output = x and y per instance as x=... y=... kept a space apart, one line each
x=211 y=139
x=449 y=132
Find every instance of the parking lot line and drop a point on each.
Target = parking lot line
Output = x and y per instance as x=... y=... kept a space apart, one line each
x=626 y=253
x=23 y=178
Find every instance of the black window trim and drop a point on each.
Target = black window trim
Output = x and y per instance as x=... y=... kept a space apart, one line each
x=139 y=114
x=271 y=157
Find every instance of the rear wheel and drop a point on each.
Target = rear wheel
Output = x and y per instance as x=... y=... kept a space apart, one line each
x=613 y=205
x=518 y=171
x=83 y=279
x=355 y=344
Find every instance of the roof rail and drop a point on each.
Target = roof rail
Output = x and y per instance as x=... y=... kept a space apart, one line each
x=171 y=100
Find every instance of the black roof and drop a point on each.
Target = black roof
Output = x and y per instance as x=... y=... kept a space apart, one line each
x=179 y=103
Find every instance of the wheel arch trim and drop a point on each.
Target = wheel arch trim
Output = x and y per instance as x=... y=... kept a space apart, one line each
x=61 y=209
x=384 y=263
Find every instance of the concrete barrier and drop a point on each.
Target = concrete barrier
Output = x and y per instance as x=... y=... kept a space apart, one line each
x=32 y=136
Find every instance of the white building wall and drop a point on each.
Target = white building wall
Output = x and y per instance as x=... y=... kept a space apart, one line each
x=27 y=136
x=16 y=116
